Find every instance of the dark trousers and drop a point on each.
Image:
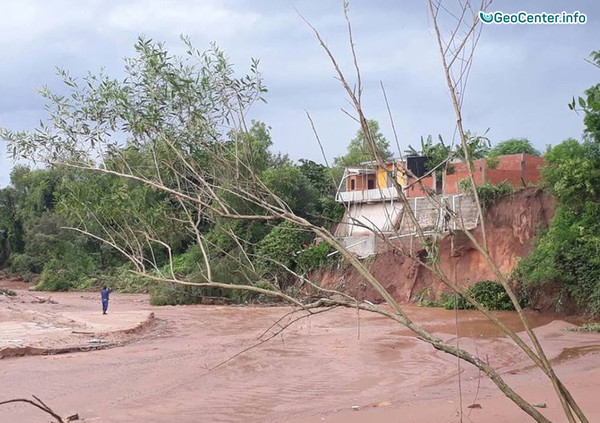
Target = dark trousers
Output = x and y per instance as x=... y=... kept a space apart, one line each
x=104 y=306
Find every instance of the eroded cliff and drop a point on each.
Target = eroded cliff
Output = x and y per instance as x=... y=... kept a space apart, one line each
x=511 y=227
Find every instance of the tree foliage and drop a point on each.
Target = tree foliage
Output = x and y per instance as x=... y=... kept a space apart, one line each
x=281 y=247
x=358 y=150
x=488 y=193
x=490 y=294
x=568 y=253
x=172 y=122
x=436 y=152
x=514 y=146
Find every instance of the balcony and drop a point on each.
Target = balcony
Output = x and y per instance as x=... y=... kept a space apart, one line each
x=367 y=195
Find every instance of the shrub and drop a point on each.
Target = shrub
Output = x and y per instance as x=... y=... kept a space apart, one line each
x=123 y=280
x=454 y=301
x=173 y=294
x=67 y=273
x=24 y=263
x=492 y=161
x=55 y=277
x=225 y=270
x=488 y=193
x=314 y=257
x=567 y=256
x=490 y=294
x=281 y=245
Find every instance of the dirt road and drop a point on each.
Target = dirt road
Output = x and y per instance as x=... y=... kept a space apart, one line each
x=316 y=371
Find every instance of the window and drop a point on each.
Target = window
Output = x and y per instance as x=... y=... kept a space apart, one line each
x=352 y=185
x=371 y=184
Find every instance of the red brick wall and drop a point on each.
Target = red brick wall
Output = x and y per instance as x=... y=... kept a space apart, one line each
x=510 y=162
x=511 y=168
x=495 y=176
x=532 y=169
x=461 y=171
x=415 y=189
x=451 y=184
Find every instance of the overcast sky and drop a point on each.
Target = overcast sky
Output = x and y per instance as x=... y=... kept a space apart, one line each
x=522 y=78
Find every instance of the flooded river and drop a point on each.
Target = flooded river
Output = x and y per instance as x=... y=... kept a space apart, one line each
x=318 y=369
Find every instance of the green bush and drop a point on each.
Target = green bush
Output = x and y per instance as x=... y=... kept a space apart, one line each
x=24 y=263
x=68 y=273
x=315 y=257
x=492 y=161
x=164 y=293
x=567 y=257
x=488 y=193
x=281 y=246
x=56 y=277
x=424 y=299
x=490 y=294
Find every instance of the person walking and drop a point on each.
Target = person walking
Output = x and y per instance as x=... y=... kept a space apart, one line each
x=105 y=293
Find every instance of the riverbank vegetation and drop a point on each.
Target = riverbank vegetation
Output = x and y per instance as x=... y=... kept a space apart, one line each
x=567 y=255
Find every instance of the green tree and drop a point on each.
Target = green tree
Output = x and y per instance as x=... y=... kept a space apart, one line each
x=293 y=187
x=573 y=172
x=478 y=146
x=436 y=152
x=11 y=228
x=359 y=151
x=568 y=253
x=327 y=211
x=252 y=147
x=319 y=176
x=514 y=146
x=282 y=246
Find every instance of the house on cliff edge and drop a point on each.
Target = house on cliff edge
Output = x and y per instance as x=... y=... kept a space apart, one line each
x=373 y=203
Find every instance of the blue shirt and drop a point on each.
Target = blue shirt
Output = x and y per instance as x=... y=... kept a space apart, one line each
x=105 y=293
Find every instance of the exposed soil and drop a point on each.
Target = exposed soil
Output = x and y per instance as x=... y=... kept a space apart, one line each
x=512 y=225
x=317 y=371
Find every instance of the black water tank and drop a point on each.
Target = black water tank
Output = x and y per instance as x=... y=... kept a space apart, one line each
x=417 y=165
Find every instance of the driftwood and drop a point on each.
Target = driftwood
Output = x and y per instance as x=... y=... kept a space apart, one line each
x=36 y=402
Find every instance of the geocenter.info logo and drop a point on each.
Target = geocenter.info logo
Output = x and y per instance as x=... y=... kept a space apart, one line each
x=562 y=18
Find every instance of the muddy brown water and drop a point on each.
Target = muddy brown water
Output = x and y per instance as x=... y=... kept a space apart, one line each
x=317 y=367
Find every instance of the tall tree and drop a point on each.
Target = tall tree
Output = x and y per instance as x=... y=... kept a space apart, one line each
x=514 y=146
x=358 y=150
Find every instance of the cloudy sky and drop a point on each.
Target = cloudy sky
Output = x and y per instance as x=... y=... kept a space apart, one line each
x=522 y=78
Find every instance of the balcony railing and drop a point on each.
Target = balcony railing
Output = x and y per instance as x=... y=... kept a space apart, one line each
x=367 y=195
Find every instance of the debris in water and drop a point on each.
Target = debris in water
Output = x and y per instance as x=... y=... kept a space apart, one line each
x=474 y=406
x=355 y=407
x=540 y=405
